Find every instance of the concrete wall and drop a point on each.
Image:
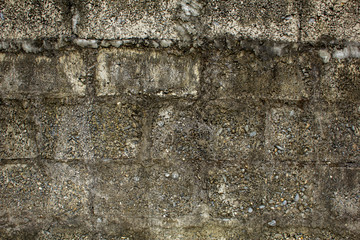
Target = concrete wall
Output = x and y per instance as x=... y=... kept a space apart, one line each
x=179 y=119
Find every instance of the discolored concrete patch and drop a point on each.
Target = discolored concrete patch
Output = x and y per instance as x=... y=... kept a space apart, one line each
x=339 y=125
x=262 y=75
x=340 y=80
x=56 y=75
x=147 y=72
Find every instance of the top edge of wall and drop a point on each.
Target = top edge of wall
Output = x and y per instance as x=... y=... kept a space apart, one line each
x=182 y=20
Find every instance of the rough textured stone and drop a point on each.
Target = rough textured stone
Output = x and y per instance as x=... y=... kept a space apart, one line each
x=340 y=133
x=256 y=195
x=236 y=130
x=185 y=20
x=340 y=80
x=79 y=130
x=208 y=231
x=218 y=131
x=243 y=74
x=307 y=234
x=24 y=193
x=147 y=72
x=69 y=200
x=330 y=20
x=28 y=74
x=178 y=133
x=340 y=197
x=64 y=130
x=115 y=129
x=291 y=133
x=120 y=202
x=17 y=131
x=34 y=19
x=275 y=20
x=65 y=233
x=175 y=193
x=134 y=19
x=179 y=119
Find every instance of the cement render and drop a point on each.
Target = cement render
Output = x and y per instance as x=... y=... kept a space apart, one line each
x=179 y=119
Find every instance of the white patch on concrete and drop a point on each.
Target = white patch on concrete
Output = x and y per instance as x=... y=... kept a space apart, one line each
x=190 y=8
x=85 y=43
x=2 y=57
x=75 y=20
x=166 y=113
x=348 y=52
x=42 y=59
x=325 y=55
x=29 y=48
x=106 y=85
x=73 y=66
x=116 y=43
x=278 y=49
x=165 y=43
x=341 y=54
x=4 y=45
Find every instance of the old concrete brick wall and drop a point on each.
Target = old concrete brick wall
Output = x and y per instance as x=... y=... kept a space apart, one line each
x=179 y=119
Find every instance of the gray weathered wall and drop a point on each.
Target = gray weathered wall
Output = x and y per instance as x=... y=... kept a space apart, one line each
x=179 y=119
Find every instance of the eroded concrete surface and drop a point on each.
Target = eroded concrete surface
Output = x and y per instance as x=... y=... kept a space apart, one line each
x=179 y=119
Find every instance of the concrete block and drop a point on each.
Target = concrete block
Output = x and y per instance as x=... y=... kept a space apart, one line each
x=324 y=20
x=291 y=133
x=340 y=80
x=64 y=131
x=340 y=198
x=208 y=231
x=241 y=75
x=24 y=192
x=34 y=19
x=186 y=20
x=304 y=233
x=340 y=133
x=227 y=190
x=116 y=129
x=17 y=131
x=127 y=234
x=120 y=202
x=178 y=133
x=175 y=193
x=221 y=230
x=77 y=130
x=64 y=232
x=147 y=72
x=217 y=131
x=236 y=130
x=275 y=20
x=116 y=19
x=263 y=196
x=69 y=197
x=29 y=74
x=290 y=81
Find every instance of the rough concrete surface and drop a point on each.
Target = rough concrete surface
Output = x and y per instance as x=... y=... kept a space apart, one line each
x=179 y=119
